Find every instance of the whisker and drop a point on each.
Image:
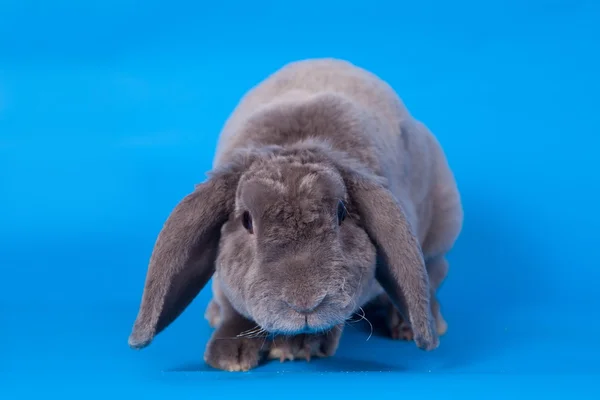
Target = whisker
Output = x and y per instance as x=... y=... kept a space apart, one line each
x=363 y=317
x=250 y=330
x=262 y=333
x=262 y=346
x=256 y=329
x=256 y=334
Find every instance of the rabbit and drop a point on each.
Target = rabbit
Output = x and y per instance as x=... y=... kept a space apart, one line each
x=325 y=195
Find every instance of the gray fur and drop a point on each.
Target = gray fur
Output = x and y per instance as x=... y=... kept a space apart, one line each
x=312 y=134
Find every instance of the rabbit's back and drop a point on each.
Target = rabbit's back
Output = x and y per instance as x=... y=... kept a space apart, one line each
x=302 y=80
x=311 y=77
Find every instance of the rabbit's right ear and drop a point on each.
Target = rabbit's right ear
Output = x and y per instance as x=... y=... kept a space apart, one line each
x=183 y=258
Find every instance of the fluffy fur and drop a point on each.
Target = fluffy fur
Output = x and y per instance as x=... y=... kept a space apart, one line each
x=325 y=195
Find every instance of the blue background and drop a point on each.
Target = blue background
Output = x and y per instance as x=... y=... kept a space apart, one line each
x=109 y=114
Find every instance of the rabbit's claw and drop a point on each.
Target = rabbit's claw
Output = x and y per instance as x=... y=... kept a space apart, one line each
x=304 y=346
x=295 y=347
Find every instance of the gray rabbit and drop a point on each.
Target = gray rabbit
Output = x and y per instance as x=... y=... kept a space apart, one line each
x=325 y=195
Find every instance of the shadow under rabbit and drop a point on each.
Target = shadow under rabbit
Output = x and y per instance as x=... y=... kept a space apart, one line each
x=330 y=364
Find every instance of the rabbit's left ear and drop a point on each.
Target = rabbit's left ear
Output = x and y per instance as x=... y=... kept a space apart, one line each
x=183 y=259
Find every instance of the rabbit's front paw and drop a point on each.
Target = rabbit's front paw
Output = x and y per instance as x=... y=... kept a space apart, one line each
x=398 y=327
x=305 y=346
x=234 y=354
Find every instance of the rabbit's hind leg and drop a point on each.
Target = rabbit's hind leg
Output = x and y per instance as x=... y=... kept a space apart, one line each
x=213 y=313
x=213 y=310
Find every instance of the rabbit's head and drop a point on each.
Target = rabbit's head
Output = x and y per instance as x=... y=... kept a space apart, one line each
x=292 y=255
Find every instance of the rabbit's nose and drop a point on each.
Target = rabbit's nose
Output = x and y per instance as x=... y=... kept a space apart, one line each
x=305 y=304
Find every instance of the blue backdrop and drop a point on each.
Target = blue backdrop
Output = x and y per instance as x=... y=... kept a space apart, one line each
x=109 y=113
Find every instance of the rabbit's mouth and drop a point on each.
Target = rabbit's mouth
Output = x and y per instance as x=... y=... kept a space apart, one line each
x=295 y=323
x=313 y=326
x=310 y=311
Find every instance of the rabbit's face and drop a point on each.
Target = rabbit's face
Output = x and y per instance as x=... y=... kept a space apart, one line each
x=292 y=256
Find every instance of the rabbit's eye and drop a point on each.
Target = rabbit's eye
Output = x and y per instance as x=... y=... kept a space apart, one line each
x=341 y=212
x=247 y=221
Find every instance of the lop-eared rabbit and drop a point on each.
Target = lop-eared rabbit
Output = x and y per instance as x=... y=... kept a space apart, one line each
x=325 y=195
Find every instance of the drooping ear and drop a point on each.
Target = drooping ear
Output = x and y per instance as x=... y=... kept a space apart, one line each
x=183 y=258
x=401 y=269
